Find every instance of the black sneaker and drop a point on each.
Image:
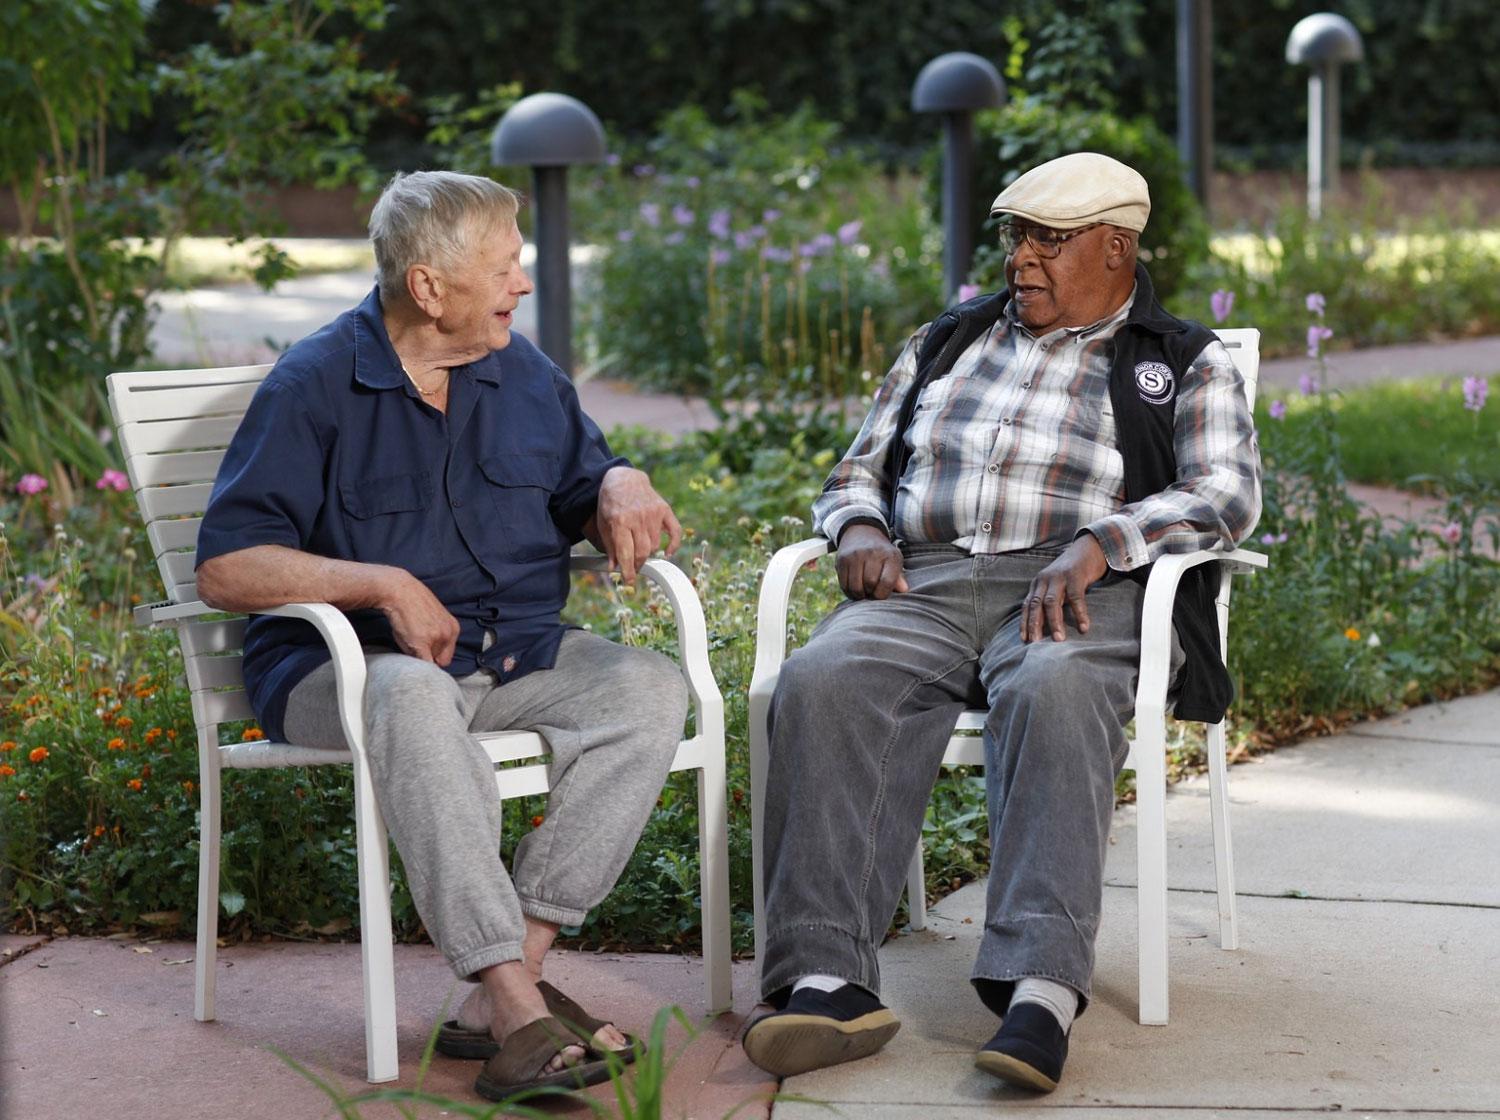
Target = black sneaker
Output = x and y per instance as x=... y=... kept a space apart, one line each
x=1028 y=1050
x=818 y=1029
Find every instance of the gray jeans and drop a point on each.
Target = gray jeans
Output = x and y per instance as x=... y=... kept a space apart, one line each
x=859 y=722
x=612 y=717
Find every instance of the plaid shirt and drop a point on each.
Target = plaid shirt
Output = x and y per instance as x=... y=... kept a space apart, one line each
x=1015 y=448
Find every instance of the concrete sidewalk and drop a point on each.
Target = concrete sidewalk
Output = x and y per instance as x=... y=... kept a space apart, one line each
x=1367 y=982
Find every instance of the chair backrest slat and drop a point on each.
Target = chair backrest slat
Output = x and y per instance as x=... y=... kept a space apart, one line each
x=183 y=434
x=173 y=501
x=213 y=708
x=168 y=468
x=1243 y=344
x=206 y=672
x=220 y=636
x=169 y=536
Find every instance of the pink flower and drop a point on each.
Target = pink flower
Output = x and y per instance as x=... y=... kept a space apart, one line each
x=1308 y=384
x=1278 y=410
x=1476 y=389
x=849 y=231
x=1451 y=532
x=112 y=479
x=1221 y=303
x=1316 y=303
x=967 y=292
x=1317 y=334
x=31 y=484
x=1273 y=538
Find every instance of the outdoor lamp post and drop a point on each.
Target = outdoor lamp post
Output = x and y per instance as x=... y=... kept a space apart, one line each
x=549 y=131
x=957 y=85
x=1322 y=42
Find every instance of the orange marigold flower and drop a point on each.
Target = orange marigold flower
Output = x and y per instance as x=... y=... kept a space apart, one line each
x=116 y=744
x=1352 y=634
x=144 y=693
x=153 y=735
x=536 y=821
x=171 y=734
x=188 y=787
x=135 y=784
x=8 y=746
x=252 y=734
x=6 y=771
x=124 y=723
x=146 y=771
x=38 y=753
x=98 y=830
x=33 y=701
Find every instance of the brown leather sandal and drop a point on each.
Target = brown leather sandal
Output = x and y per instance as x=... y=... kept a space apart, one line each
x=520 y=1063
x=455 y=1041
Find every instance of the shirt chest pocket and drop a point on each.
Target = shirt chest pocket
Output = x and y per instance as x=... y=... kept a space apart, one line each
x=386 y=519
x=520 y=486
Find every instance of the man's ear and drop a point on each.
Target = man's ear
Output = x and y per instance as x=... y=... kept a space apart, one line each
x=426 y=288
x=1119 y=248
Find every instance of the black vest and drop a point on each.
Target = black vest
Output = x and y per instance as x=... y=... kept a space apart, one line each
x=1144 y=404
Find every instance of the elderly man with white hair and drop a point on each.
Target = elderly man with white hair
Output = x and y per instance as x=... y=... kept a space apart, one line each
x=421 y=467
x=1031 y=452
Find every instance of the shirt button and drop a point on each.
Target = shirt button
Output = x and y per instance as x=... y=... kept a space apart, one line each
x=993 y=468
x=1006 y=421
x=986 y=527
x=1026 y=384
x=457 y=502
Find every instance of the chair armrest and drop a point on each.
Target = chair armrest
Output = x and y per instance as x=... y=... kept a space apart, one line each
x=168 y=613
x=348 y=663
x=692 y=633
x=1156 y=616
x=775 y=595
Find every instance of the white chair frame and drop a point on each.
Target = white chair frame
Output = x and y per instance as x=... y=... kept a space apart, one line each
x=173 y=429
x=1147 y=755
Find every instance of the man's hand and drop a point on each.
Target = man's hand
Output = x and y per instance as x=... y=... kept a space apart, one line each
x=1062 y=583
x=630 y=519
x=422 y=625
x=869 y=563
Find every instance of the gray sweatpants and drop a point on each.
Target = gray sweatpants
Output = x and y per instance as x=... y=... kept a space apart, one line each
x=859 y=723
x=612 y=716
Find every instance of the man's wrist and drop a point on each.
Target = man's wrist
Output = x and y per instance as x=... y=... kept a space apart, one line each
x=872 y=522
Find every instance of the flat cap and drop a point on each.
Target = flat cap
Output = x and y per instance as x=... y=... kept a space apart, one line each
x=1078 y=190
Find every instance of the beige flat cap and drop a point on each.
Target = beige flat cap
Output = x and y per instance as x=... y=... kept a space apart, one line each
x=1078 y=190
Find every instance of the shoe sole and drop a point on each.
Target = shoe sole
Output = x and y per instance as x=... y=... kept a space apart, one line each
x=792 y=1044
x=1013 y=1071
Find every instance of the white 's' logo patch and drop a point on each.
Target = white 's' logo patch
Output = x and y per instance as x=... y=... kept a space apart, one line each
x=1155 y=382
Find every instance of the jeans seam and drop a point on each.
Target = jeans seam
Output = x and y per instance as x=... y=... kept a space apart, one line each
x=868 y=871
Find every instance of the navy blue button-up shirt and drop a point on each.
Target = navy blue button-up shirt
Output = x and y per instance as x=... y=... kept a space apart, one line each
x=339 y=456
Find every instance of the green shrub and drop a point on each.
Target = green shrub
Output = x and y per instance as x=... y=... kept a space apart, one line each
x=1026 y=133
x=757 y=258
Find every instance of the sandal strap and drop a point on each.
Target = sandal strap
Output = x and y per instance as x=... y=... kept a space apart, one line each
x=524 y=1054
x=563 y=1007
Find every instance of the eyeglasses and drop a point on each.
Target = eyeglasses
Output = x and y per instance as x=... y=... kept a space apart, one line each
x=1047 y=243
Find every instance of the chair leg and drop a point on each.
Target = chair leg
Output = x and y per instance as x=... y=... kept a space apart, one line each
x=713 y=871
x=916 y=891
x=760 y=704
x=1151 y=869
x=376 y=951
x=1218 y=787
x=209 y=832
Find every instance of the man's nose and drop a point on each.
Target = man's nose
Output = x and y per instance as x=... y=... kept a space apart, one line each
x=525 y=287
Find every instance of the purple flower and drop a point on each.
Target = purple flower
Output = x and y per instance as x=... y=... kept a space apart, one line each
x=643 y=170
x=804 y=266
x=612 y=160
x=773 y=253
x=676 y=237
x=849 y=231
x=626 y=235
x=112 y=479
x=769 y=215
x=1273 y=538
x=743 y=240
x=682 y=215
x=720 y=257
x=651 y=214
x=1476 y=389
x=31 y=484
x=1316 y=303
x=1308 y=384
x=818 y=245
x=967 y=292
x=1221 y=303
x=718 y=224
x=1278 y=410
x=693 y=182
x=1317 y=334
x=1452 y=532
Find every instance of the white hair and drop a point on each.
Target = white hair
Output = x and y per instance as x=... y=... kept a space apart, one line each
x=433 y=217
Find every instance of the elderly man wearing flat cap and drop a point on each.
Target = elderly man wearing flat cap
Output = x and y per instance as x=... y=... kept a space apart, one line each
x=1029 y=455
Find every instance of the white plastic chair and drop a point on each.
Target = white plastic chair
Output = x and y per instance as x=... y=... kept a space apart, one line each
x=1147 y=752
x=173 y=428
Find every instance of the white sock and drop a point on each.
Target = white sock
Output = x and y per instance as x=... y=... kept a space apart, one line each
x=821 y=982
x=1057 y=998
